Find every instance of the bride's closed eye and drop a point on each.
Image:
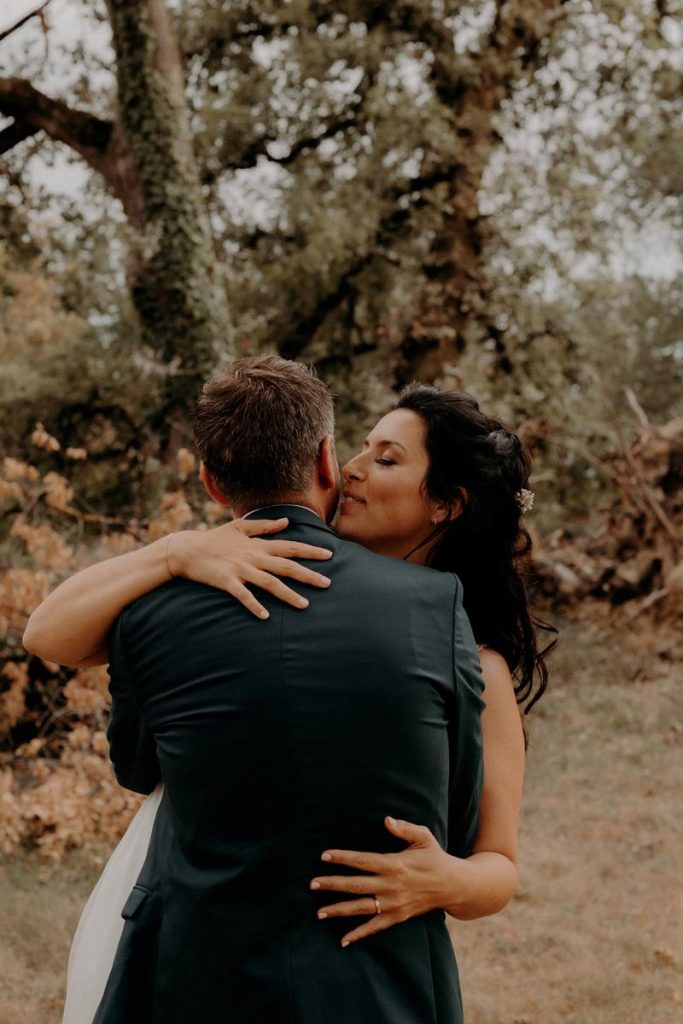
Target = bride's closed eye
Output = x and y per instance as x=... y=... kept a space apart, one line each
x=385 y=462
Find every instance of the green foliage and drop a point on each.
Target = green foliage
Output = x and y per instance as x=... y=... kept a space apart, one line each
x=93 y=388
x=585 y=221
x=468 y=193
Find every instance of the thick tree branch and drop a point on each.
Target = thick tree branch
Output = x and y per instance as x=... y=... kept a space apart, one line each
x=250 y=156
x=304 y=327
x=15 y=133
x=259 y=147
x=102 y=144
x=301 y=145
x=302 y=330
x=33 y=111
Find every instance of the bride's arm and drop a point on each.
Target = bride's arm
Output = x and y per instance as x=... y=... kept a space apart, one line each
x=485 y=882
x=71 y=625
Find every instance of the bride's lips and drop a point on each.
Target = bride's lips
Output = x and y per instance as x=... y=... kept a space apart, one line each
x=349 y=501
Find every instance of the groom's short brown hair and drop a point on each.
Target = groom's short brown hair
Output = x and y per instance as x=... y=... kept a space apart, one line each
x=258 y=426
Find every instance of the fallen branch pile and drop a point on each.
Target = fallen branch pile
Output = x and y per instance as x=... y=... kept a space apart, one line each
x=631 y=559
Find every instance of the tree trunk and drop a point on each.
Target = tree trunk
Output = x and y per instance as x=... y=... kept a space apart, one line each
x=368 y=342
x=452 y=312
x=145 y=155
x=181 y=306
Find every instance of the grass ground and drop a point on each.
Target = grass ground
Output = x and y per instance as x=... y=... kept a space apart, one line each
x=595 y=934
x=39 y=908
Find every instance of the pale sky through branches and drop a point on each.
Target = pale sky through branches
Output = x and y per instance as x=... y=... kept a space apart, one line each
x=651 y=248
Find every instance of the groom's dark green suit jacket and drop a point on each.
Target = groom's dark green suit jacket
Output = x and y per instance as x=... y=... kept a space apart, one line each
x=275 y=741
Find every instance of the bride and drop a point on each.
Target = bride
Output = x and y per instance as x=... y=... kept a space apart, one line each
x=443 y=448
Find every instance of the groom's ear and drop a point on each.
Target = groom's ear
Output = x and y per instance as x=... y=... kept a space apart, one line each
x=211 y=487
x=328 y=467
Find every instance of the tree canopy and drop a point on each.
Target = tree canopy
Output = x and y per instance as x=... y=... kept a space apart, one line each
x=476 y=194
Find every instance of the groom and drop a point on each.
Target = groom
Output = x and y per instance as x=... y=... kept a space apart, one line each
x=278 y=739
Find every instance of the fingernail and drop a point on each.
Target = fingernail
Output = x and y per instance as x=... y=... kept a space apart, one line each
x=315 y=885
x=302 y=602
x=264 y=615
x=325 y=580
x=345 y=942
x=392 y=821
x=321 y=915
x=326 y=856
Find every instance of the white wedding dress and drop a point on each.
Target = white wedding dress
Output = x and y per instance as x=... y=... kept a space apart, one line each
x=100 y=925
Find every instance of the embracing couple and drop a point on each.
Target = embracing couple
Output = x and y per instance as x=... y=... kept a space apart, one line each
x=327 y=781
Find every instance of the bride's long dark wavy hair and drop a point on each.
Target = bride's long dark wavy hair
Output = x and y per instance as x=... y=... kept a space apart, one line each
x=479 y=463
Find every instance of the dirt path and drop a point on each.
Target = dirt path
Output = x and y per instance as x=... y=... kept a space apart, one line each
x=595 y=934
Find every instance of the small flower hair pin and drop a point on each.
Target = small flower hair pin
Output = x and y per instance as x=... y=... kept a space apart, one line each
x=525 y=500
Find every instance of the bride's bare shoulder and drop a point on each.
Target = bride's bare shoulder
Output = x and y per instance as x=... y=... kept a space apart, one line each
x=490 y=653
x=494 y=669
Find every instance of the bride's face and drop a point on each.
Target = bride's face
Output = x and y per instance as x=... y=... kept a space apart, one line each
x=384 y=504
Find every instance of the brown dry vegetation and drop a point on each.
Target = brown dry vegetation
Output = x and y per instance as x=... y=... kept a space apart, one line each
x=594 y=934
x=57 y=792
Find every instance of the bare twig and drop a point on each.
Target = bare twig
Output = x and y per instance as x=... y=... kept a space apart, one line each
x=644 y=488
x=93 y=517
x=637 y=407
x=82 y=517
x=650 y=497
x=640 y=606
x=38 y=13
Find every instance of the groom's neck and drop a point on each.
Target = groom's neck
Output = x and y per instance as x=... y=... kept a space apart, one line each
x=307 y=500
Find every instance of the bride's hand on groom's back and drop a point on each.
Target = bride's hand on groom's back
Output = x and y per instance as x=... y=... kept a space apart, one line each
x=391 y=887
x=233 y=555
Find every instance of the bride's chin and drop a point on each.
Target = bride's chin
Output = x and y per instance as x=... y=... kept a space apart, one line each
x=343 y=527
x=339 y=527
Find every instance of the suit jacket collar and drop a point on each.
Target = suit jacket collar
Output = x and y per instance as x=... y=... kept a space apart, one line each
x=295 y=514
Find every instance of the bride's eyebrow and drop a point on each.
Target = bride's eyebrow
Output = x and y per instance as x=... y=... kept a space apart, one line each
x=383 y=444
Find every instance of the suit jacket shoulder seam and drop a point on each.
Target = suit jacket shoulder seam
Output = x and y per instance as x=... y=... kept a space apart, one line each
x=457 y=583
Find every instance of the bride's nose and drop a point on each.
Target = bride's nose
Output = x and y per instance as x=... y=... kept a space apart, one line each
x=353 y=470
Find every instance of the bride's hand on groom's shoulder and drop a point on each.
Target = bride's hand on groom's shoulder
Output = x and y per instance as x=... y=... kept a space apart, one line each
x=234 y=554
x=392 y=887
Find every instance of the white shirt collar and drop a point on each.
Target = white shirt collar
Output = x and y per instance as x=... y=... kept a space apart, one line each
x=277 y=504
